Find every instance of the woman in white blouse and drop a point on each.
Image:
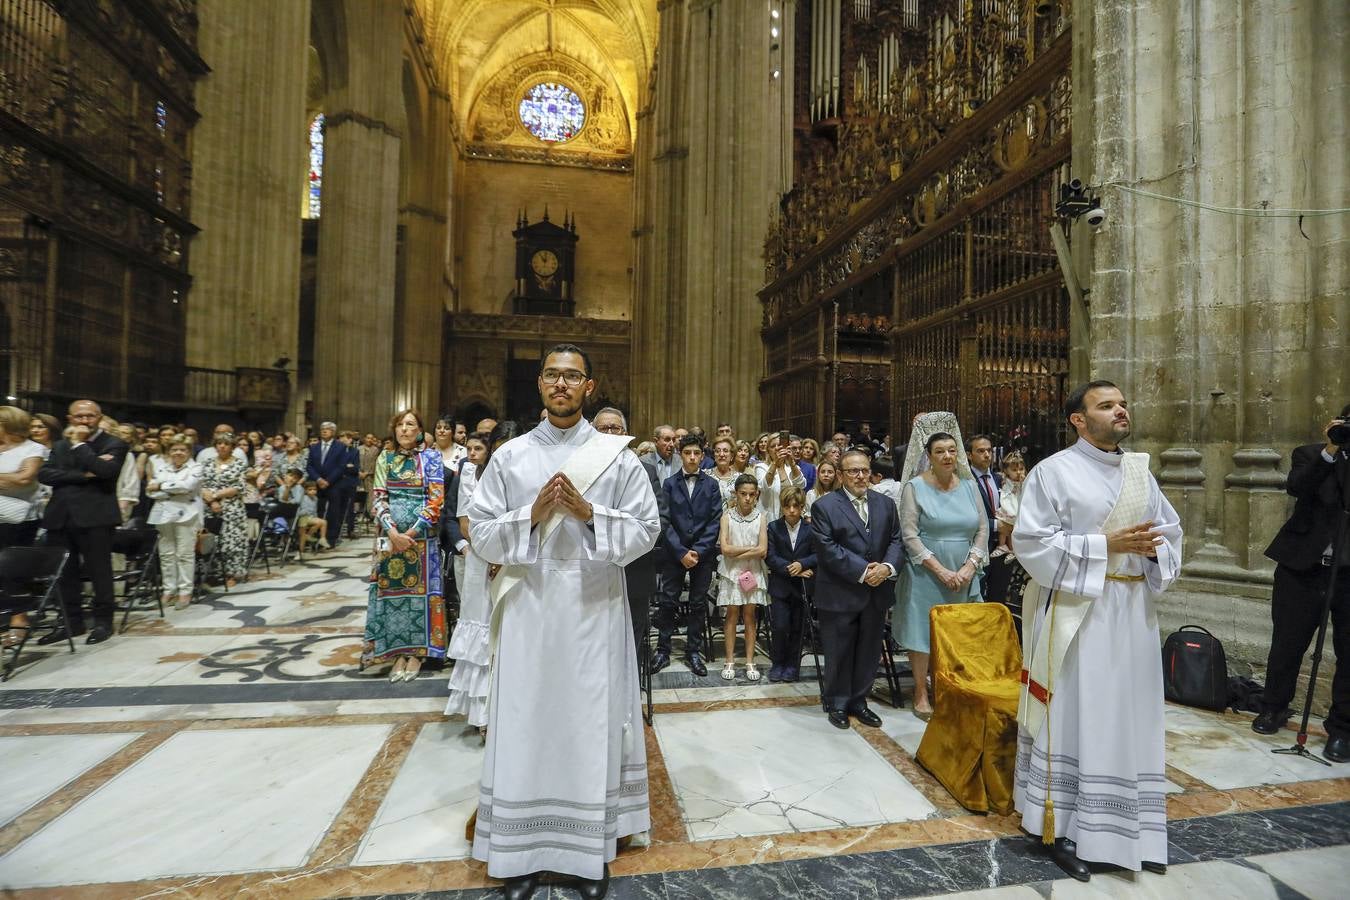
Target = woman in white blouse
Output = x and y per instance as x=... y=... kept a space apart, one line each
x=176 y=487
x=20 y=460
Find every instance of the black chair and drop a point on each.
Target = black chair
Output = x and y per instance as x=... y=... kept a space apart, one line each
x=811 y=639
x=280 y=542
x=887 y=668
x=141 y=577
x=210 y=564
x=259 y=512
x=28 y=584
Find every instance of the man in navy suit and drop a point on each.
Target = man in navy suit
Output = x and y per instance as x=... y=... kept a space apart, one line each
x=336 y=468
x=857 y=542
x=695 y=504
x=792 y=561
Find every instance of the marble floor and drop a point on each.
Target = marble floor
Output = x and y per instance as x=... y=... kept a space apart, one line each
x=236 y=748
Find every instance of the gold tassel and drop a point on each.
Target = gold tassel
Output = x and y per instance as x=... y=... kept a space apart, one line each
x=1048 y=825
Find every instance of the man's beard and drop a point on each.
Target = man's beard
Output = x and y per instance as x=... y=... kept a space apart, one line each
x=1107 y=434
x=567 y=411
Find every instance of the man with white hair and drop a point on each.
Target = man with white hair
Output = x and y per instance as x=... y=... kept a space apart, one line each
x=335 y=467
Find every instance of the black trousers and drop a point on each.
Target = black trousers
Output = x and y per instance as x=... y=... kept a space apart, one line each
x=673 y=576
x=641 y=609
x=90 y=557
x=18 y=534
x=333 y=503
x=852 y=644
x=789 y=621
x=1296 y=611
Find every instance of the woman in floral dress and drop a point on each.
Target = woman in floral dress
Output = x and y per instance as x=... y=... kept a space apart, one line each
x=223 y=494
x=405 y=620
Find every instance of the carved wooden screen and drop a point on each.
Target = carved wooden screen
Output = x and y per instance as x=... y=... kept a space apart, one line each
x=939 y=182
x=95 y=116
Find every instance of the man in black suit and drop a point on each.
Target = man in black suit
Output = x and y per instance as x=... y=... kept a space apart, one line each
x=336 y=468
x=857 y=539
x=792 y=562
x=81 y=515
x=640 y=575
x=1302 y=551
x=695 y=504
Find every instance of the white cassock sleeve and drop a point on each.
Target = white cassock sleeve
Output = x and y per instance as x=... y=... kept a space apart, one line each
x=1168 y=524
x=1055 y=558
x=629 y=529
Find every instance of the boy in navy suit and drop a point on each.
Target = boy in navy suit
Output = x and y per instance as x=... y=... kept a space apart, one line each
x=792 y=560
x=695 y=503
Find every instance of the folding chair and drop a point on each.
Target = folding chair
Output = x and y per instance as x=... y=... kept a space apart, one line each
x=280 y=541
x=811 y=639
x=28 y=584
x=141 y=578
x=260 y=513
x=210 y=564
x=887 y=668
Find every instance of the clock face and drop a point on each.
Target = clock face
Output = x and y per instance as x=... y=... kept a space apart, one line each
x=544 y=263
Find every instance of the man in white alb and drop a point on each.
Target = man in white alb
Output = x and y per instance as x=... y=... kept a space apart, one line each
x=1100 y=541
x=562 y=509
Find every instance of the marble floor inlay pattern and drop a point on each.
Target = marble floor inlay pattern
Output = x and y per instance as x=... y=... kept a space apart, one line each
x=237 y=748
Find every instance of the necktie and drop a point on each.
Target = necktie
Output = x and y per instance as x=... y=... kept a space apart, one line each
x=860 y=503
x=988 y=492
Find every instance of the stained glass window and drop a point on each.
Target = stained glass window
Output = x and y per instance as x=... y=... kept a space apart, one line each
x=315 y=186
x=552 y=112
x=161 y=117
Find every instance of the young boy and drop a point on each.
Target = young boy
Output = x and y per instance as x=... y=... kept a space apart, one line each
x=792 y=562
x=308 y=516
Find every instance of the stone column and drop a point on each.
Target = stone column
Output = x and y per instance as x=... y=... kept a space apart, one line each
x=1228 y=331
x=354 y=308
x=249 y=151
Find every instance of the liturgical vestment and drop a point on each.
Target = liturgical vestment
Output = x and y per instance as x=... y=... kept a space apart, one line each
x=1098 y=754
x=565 y=766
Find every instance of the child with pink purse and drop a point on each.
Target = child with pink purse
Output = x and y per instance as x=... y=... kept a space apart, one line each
x=741 y=584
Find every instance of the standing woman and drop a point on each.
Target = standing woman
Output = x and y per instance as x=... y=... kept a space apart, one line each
x=946 y=534
x=223 y=492
x=741 y=459
x=20 y=459
x=405 y=620
x=470 y=647
x=174 y=482
x=827 y=479
x=724 y=450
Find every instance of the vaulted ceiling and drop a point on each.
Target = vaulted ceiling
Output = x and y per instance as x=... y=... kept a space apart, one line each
x=472 y=41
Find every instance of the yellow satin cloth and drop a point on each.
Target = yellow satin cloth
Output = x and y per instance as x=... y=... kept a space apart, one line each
x=971 y=741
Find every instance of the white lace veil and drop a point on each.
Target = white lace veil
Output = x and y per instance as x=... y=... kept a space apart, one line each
x=925 y=426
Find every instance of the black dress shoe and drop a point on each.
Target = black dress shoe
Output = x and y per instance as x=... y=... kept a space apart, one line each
x=594 y=890
x=838 y=718
x=866 y=716
x=1066 y=859
x=99 y=634
x=660 y=659
x=1337 y=748
x=520 y=888
x=1156 y=868
x=695 y=664
x=58 y=636
x=1270 y=721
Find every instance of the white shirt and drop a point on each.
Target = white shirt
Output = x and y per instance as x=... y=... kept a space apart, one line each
x=17 y=503
x=792 y=533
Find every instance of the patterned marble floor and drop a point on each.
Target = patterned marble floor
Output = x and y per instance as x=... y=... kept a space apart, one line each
x=236 y=748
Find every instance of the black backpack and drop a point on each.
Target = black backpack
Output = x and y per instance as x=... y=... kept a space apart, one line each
x=1195 y=670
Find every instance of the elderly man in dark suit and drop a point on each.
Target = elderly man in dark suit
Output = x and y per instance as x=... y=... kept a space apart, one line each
x=81 y=515
x=695 y=503
x=1303 y=553
x=640 y=575
x=335 y=466
x=857 y=540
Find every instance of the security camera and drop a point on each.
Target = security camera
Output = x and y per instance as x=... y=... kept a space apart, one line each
x=1095 y=217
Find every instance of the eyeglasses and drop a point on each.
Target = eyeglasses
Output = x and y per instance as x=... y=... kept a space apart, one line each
x=570 y=377
x=856 y=472
x=616 y=428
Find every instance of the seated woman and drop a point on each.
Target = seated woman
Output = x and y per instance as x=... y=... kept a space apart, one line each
x=945 y=531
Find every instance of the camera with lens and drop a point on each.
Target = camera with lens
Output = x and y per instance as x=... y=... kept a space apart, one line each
x=1339 y=432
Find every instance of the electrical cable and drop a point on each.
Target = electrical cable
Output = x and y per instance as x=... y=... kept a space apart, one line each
x=1257 y=212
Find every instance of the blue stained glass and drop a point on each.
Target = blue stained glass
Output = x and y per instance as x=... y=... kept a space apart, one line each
x=161 y=116
x=315 y=185
x=552 y=112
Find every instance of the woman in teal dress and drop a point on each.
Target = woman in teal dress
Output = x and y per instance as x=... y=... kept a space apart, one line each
x=405 y=620
x=945 y=532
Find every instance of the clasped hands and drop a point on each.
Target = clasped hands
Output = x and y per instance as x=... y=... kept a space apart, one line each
x=1139 y=539
x=876 y=573
x=795 y=569
x=401 y=540
x=559 y=494
x=954 y=581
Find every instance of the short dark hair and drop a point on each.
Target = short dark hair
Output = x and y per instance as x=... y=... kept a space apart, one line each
x=1345 y=412
x=934 y=438
x=746 y=478
x=690 y=440
x=970 y=443
x=1076 y=402
x=883 y=466
x=566 y=348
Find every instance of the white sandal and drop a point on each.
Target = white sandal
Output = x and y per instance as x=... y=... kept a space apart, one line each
x=751 y=672
x=729 y=672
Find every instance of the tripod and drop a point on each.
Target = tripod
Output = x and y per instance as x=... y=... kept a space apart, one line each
x=1300 y=747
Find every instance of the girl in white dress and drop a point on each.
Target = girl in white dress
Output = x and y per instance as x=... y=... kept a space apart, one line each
x=740 y=572
x=469 y=644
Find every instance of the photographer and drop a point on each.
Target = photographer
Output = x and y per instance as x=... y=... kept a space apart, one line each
x=1303 y=553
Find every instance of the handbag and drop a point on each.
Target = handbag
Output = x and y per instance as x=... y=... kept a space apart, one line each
x=1195 y=669
x=747 y=582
